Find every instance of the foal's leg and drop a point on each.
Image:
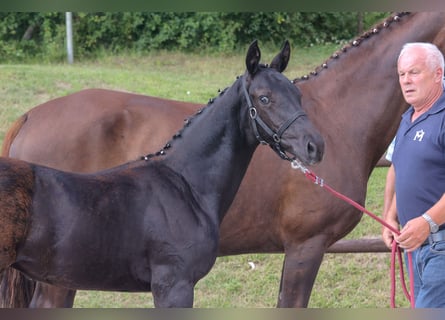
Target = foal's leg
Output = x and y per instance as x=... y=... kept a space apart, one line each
x=48 y=296
x=300 y=268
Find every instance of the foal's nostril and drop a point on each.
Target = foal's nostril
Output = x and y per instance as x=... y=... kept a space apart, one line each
x=313 y=151
x=311 y=148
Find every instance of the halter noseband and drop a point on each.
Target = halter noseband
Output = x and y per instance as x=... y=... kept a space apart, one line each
x=274 y=137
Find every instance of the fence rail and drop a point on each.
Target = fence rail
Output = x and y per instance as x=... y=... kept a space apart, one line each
x=364 y=245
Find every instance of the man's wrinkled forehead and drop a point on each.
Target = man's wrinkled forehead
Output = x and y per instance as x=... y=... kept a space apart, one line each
x=412 y=58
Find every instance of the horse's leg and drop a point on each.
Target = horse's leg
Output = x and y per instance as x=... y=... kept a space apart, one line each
x=48 y=296
x=300 y=268
x=178 y=295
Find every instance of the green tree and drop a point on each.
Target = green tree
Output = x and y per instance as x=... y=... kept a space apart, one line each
x=30 y=35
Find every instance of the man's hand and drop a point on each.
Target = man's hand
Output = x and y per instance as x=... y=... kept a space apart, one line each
x=413 y=234
x=387 y=235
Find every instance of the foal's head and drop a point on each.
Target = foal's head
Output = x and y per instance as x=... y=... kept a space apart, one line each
x=277 y=118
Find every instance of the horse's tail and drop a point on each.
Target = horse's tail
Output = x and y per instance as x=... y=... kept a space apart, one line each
x=12 y=133
x=16 y=290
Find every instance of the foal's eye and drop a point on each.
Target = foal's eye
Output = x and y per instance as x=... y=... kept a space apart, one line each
x=264 y=99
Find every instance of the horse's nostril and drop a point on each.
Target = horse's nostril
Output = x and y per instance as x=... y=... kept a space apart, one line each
x=315 y=150
x=311 y=148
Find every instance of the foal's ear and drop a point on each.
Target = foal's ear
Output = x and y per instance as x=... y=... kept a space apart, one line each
x=281 y=60
x=253 y=57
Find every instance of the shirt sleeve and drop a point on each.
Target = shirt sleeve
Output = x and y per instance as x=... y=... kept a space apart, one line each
x=390 y=150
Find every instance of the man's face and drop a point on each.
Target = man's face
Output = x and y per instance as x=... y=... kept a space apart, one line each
x=416 y=79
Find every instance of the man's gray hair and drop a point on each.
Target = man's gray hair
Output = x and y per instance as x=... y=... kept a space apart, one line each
x=434 y=56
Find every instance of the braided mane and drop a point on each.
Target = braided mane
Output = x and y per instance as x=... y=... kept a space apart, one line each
x=355 y=43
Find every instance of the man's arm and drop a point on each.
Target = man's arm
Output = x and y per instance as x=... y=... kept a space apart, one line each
x=389 y=207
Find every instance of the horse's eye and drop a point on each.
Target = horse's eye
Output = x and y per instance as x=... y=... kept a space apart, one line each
x=264 y=100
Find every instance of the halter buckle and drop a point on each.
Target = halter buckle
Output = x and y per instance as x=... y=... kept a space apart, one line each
x=276 y=138
x=253 y=113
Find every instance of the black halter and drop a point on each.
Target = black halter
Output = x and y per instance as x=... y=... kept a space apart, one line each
x=272 y=136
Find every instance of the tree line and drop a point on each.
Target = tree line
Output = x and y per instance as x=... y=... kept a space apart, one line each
x=34 y=35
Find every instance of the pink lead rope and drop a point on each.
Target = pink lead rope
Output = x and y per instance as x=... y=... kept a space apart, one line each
x=395 y=248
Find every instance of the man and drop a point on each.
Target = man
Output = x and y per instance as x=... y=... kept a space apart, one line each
x=418 y=170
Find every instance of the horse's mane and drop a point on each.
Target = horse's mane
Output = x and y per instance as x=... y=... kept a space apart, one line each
x=355 y=43
x=189 y=120
x=187 y=123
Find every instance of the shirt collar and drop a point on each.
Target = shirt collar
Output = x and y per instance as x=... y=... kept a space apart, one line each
x=437 y=107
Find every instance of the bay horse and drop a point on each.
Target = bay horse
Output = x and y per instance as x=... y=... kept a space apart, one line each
x=152 y=224
x=353 y=98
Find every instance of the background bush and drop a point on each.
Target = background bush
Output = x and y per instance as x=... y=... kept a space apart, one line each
x=32 y=36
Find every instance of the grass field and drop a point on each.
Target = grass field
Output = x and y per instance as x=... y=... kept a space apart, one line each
x=344 y=280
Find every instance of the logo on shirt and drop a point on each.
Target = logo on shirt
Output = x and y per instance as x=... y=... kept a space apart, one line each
x=419 y=135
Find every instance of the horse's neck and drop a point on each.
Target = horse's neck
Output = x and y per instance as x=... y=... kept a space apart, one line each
x=356 y=101
x=213 y=153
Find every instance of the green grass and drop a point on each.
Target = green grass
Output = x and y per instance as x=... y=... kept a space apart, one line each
x=344 y=280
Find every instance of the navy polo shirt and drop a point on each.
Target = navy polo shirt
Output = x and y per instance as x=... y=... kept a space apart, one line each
x=419 y=161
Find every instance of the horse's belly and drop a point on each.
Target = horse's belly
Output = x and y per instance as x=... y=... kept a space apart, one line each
x=88 y=276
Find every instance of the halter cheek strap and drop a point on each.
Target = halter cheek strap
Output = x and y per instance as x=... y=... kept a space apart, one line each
x=274 y=137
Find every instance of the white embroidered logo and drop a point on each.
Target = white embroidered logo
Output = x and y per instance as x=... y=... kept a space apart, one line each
x=419 y=135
